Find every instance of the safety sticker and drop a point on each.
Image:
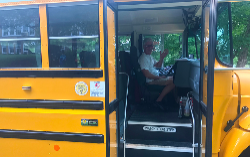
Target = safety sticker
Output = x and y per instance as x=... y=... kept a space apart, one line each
x=97 y=88
x=81 y=88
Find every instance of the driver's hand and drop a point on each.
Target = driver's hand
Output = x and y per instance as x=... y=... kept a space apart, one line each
x=164 y=54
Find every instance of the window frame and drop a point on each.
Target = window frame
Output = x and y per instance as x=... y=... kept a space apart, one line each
x=230 y=39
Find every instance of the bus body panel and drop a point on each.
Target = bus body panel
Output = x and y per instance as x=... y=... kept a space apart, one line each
x=47 y=89
x=11 y=147
x=234 y=143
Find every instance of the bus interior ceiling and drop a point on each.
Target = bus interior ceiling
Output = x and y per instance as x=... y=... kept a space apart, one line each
x=156 y=19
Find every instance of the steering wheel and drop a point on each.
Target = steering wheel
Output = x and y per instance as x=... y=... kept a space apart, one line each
x=170 y=72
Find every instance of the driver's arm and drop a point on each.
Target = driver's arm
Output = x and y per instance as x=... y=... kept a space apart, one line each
x=148 y=75
x=159 y=63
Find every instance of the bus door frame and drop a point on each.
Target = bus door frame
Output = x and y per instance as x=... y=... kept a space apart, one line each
x=114 y=105
x=208 y=71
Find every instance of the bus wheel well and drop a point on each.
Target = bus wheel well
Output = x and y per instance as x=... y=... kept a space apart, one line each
x=246 y=152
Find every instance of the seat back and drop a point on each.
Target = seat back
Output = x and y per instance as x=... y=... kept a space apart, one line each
x=141 y=79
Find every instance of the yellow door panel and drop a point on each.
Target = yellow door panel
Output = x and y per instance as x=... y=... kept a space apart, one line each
x=41 y=148
x=244 y=75
x=51 y=120
x=45 y=88
x=113 y=134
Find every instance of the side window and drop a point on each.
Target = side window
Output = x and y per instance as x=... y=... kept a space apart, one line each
x=74 y=36
x=192 y=47
x=124 y=43
x=241 y=33
x=223 y=38
x=172 y=42
x=20 y=43
x=238 y=14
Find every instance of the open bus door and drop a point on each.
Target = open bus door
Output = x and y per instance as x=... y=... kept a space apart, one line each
x=208 y=48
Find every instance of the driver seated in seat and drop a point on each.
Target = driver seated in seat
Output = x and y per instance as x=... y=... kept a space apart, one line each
x=148 y=67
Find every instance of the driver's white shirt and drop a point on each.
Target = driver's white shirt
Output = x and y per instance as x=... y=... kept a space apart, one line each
x=147 y=63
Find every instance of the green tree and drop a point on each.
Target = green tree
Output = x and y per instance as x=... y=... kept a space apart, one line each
x=240 y=12
x=241 y=33
x=173 y=44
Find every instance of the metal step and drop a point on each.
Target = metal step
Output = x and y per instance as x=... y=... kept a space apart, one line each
x=158 y=149
x=159 y=126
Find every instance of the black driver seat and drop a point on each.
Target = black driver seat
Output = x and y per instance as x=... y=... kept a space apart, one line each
x=149 y=92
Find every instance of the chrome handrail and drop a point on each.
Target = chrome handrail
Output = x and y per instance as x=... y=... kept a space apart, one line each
x=191 y=110
x=125 y=112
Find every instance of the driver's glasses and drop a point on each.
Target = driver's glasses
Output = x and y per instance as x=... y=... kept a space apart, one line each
x=149 y=46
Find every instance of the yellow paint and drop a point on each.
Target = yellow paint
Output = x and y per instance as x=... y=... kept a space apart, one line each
x=101 y=28
x=206 y=40
x=101 y=35
x=45 y=148
x=45 y=88
x=111 y=54
x=218 y=65
x=222 y=99
x=51 y=120
x=113 y=134
x=244 y=75
x=225 y=108
x=44 y=36
x=234 y=143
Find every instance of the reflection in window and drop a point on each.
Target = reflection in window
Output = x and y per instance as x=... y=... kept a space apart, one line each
x=74 y=36
x=124 y=43
x=223 y=40
x=241 y=33
x=192 y=47
x=20 y=44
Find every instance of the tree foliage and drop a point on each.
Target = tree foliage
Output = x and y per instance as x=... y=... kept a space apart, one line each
x=240 y=12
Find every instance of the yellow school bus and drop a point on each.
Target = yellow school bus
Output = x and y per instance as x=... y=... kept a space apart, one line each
x=71 y=84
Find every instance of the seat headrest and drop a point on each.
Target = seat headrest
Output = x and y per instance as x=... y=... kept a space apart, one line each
x=133 y=52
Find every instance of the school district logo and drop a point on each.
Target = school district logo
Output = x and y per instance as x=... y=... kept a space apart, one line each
x=81 y=88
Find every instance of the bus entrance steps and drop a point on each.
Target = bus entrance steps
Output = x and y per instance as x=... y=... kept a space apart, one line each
x=157 y=134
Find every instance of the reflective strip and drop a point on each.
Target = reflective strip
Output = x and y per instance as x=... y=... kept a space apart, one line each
x=18 y=39
x=160 y=124
x=161 y=148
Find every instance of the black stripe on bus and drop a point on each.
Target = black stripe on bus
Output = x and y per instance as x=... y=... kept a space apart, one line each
x=53 y=136
x=51 y=104
x=53 y=73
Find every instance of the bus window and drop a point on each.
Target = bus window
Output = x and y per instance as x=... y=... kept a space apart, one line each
x=20 y=44
x=240 y=20
x=241 y=33
x=124 y=43
x=223 y=40
x=74 y=36
x=192 y=47
x=170 y=42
